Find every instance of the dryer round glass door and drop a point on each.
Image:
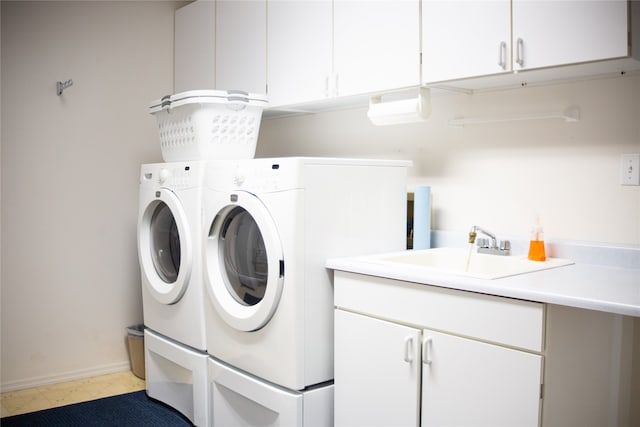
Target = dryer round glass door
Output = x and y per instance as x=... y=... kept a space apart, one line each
x=164 y=243
x=244 y=257
x=244 y=267
x=164 y=247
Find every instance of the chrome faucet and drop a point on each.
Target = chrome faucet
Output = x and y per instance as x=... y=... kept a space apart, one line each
x=491 y=245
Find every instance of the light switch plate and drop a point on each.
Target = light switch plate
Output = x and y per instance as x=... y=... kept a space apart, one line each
x=630 y=169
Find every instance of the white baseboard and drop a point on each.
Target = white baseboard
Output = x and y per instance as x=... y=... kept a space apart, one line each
x=65 y=376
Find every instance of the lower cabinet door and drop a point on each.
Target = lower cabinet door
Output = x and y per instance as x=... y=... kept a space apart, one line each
x=471 y=383
x=377 y=372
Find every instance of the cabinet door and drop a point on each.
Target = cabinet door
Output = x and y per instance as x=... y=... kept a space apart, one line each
x=465 y=38
x=467 y=382
x=194 y=54
x=241 y=48
x=376 y=45
x=547 y=33
x=377 y=372
x=299 y=51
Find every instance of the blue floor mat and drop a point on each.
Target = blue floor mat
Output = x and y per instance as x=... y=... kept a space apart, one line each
x=131 y=409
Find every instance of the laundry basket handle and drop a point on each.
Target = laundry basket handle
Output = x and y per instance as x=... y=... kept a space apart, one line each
x=238 y=92
x=237 y=95
x=238 y=100
x=165 y=101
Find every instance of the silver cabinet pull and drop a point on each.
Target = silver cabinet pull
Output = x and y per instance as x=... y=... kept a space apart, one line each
x=408 y=349
x=520 y=52
x=426 y=350
x=502 y=55
x=326 y=86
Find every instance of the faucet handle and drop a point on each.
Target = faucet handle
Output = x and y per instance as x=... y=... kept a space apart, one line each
x=505 y=245
x=482 y=242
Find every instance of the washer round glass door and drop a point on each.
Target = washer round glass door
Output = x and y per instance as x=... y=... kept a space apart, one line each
x=244 y=267
x=164 y=247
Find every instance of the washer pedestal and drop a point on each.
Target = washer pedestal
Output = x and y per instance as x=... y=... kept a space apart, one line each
x=177 y=375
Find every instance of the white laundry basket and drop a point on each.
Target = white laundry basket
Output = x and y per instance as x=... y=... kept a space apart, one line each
x=208 y=124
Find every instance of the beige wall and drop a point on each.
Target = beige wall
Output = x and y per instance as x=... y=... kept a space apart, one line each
x=70 y=164
x=502 y=175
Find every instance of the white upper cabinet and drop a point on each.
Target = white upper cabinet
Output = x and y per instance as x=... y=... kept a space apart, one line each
x=376 y=45
x=299 y=43
x=547 y=33
x=194 y=60
x=465 y=38
x=240 y=45
x=477 y=38
x=305 y=51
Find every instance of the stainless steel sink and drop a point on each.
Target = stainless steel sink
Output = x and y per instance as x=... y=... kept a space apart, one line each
x=461 y=261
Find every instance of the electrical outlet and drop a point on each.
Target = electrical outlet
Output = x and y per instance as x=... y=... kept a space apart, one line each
x=630 y=168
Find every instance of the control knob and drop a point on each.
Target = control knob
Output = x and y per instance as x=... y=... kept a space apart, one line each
x=240 y=177
x=164 y=175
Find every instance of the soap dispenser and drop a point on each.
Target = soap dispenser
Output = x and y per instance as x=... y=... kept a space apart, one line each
x=536 y=244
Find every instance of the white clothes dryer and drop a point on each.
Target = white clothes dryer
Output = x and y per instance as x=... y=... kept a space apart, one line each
x=169 y=250
x=269 y=226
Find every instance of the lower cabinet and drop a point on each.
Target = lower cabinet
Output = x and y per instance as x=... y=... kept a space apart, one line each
x=377 y=372
x=467 y=382
x=391 y=374
x=408 y=354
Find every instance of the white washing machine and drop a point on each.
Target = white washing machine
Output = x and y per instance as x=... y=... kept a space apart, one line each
x=270 y=225
x=169 y=250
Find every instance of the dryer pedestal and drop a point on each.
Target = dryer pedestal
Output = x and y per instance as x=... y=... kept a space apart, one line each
x=177 y=376
x=241 y=399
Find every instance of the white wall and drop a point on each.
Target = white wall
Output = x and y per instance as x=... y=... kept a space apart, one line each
x=70 y=164
x=500 y=176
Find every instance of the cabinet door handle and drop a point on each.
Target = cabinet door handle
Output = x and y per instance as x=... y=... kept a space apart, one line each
x=502 y=56
x=426 y=350
x=520 y=52
x=326 y=86
x=408 y=349
x=331 y=85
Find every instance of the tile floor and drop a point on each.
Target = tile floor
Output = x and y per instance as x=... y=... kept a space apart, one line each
x=51 y=396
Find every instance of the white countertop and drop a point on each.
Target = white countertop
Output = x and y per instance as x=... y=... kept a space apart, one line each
x=605 y=288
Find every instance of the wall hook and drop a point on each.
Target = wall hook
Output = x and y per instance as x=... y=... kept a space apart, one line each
x=61 y=86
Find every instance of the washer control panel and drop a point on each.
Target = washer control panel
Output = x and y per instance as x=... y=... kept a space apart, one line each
x=175 y=177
